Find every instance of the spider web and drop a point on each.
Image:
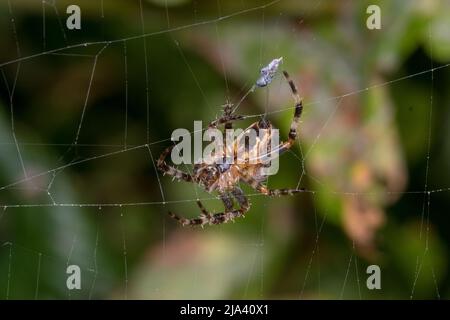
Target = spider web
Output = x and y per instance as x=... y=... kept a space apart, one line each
x=74 y=155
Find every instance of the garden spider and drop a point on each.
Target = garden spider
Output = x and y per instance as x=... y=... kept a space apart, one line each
x=225 y=178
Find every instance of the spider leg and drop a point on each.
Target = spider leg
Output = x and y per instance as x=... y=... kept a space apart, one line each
x=258 y=186
x=297 y=114
x=227 y=201
x=218 y=218
x=201 y=220
x=226 y=118
x=241 y=199
x=172 y=171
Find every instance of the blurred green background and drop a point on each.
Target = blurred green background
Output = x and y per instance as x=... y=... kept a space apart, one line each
x=79 y=187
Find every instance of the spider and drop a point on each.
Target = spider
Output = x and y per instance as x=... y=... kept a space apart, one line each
x=225 y=178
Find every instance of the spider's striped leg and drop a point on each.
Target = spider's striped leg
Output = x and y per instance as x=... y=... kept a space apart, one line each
x=297 y=114
x=229 y=213
x=258 y=186
x=225 y=119
x=201 y=220
x=227 y=201
x=218 y=218
x=241 y=199
x=172 y=171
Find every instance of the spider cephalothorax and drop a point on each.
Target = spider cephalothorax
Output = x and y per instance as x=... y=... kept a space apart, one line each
x=224 y=176
x=220 y=176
